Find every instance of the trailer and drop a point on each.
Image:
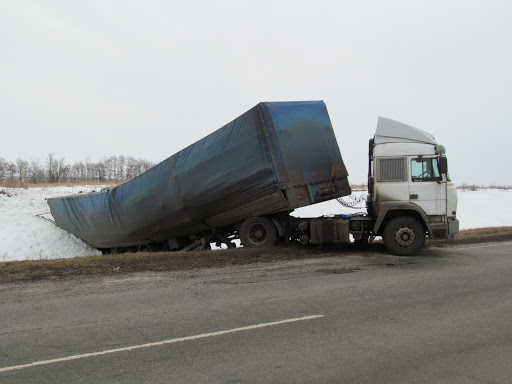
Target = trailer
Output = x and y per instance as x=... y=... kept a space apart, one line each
x=243 y=181
x=270 y=160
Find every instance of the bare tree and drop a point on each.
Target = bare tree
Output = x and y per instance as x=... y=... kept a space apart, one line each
x=82 y=172
x=89 y=169
x=36 y=172
x=120 y=172
x=62 y=169
x=131 y=168
x=21 y=169
x=112 y=168
x=3 y=168
x=11 y=172
x=50 y=167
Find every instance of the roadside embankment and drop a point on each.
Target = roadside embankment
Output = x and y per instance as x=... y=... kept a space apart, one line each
x=13 y=271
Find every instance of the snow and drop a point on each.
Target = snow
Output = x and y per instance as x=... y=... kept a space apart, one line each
x=475 y=209
x=24 y=236
x=484 y=208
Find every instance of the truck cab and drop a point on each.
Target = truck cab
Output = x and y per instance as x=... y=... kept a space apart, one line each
x=410 y=193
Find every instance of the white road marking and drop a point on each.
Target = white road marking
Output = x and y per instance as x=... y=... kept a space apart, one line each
x=164 y=342
x=485 y=246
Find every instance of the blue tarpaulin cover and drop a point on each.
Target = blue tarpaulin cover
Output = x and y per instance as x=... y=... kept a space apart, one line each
x=273 y=158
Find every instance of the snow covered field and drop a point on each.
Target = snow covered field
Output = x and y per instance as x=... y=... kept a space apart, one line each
x=23 y=236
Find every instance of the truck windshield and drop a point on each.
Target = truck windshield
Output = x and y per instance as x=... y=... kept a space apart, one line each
x=425 y=169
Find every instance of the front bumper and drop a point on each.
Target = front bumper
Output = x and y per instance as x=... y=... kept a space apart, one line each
x=444 y=231
x=453 y=227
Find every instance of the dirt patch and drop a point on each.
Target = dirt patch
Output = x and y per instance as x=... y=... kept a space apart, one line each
x=157 y=262
x=171 y=261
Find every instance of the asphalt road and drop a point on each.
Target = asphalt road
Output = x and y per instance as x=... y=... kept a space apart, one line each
x=442 y=317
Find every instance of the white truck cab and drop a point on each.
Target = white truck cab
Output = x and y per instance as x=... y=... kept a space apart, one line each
x=410 y=191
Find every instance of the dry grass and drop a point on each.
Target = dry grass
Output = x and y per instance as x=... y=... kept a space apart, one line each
x=172 y=261
x=462 y=187
x=474 y=187
x=481 y=235
x=141 y=262
x=359 y=187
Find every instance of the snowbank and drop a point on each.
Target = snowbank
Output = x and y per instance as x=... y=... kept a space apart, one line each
x=485 y=208
x=23 y=236
x=475 y=209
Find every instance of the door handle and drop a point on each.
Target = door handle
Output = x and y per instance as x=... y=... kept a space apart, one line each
x=413 y=197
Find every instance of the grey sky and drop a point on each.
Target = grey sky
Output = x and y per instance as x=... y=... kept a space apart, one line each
x=146 y=79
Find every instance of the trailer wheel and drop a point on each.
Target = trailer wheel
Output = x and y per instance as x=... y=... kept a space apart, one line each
x=258 y=232
x=404 y=236
x=145 y=248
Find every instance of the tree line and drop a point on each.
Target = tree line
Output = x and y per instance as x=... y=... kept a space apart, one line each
x=56 y=170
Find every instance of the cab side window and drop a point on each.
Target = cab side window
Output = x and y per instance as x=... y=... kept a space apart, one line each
x=425 y=169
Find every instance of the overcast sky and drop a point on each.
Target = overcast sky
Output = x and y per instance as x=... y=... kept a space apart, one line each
x=148 y=78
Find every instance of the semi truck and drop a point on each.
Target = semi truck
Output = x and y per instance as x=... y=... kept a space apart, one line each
x=243 y=181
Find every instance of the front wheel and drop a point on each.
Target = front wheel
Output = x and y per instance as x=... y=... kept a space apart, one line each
x=258 y=232
x=404 y=236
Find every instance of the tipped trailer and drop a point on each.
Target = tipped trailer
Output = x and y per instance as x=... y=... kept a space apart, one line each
x=243 y=181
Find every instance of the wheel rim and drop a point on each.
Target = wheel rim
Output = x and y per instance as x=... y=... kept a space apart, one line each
x=257 y=234
x=405 y=237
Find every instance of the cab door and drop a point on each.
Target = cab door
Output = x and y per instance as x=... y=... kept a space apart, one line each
x=426 y=186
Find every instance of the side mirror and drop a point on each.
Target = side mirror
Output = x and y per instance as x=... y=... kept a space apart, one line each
x=442 y=164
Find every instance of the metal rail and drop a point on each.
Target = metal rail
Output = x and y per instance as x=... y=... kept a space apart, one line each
x=46 y=218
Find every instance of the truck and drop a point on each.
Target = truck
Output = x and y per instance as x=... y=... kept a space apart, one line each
x=245 y=179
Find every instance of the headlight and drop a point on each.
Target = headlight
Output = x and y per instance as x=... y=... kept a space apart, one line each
x=436 y=218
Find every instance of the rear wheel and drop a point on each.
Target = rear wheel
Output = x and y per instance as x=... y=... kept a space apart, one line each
x=258 y=232
x=404 y=236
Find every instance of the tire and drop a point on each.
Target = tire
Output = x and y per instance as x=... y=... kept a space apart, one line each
x=404 y=236
x=144 y=248
x=258 y=232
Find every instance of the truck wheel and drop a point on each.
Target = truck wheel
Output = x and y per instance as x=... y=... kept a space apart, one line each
x=144 y=248
x=404 y=236
x=258 y=232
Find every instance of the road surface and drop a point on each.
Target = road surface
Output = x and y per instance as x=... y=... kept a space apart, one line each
x=442 y=317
